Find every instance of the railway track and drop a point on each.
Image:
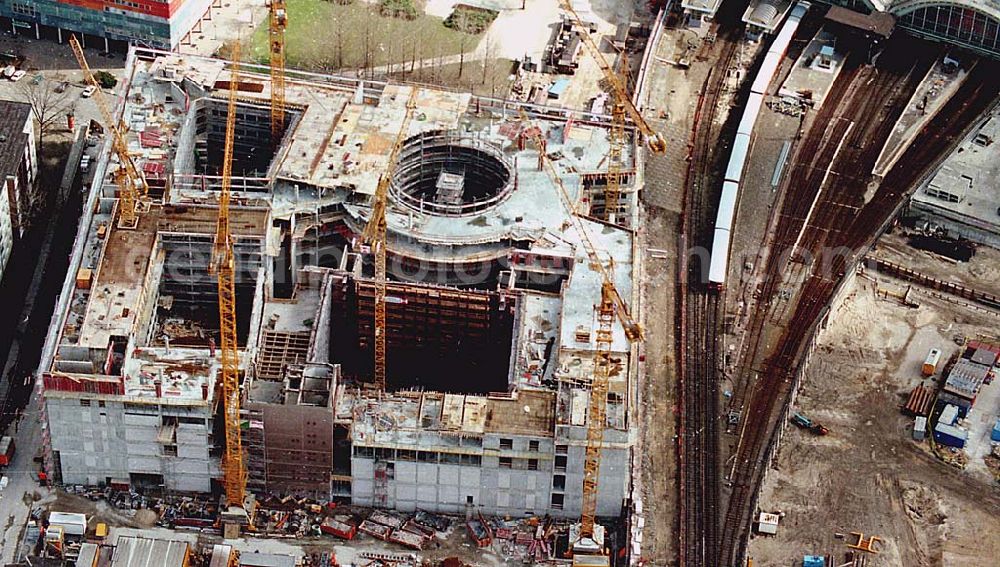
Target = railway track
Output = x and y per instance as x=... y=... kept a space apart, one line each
x=700 y=310
x=831 y=203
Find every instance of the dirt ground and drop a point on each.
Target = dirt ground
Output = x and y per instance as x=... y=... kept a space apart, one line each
x=868 y=475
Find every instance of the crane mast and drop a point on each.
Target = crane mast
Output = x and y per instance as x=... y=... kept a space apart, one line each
x=131 y=185
x=375 y=236
x=224 y=264
x=654 y=141
x=276 y=35
x=610 y=307
x=621 y=105
x=598 y=411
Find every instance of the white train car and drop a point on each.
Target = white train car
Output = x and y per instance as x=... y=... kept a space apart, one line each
x=719 y=261
x=737 y=159
x=750 y=113
x=727 y=205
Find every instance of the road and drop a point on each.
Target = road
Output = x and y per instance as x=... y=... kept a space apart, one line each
x=32 y=288
x=23 y=481
x=55 y=240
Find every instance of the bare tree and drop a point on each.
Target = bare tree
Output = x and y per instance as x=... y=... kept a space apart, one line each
x=462 y=25
x=487 y=55
x=368 y=41
x=339 y=34
x=47 y=105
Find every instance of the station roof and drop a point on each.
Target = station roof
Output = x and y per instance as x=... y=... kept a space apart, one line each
x=767 y=14
x=877 y=23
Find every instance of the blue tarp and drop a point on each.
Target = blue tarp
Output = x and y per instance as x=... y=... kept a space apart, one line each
x=558 y=88
x=813 y=561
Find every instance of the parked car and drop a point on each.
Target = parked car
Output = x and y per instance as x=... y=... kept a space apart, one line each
x=17 y=76
x=89 y=91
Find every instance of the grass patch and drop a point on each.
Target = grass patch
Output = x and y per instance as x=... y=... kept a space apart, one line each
x=470 y=19
x=325 y=35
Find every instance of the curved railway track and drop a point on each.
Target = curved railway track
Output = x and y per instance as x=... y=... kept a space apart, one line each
x=831 y=203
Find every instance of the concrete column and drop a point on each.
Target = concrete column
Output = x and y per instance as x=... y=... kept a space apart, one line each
x=83 y=40
x=294 y=250
x=59 y=31
x=38 y=34
x=107 y=46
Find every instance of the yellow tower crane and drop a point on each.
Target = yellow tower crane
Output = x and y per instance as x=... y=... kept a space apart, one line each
x=375 y=236
x=276 y=35
x=610 y=307
x=620 y=107
x=224 y=265
x=131 y=185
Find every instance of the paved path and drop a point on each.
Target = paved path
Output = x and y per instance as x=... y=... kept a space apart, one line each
x=23 y=480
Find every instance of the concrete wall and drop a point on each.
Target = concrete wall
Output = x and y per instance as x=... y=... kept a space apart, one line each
x=614 y=476
x=90 y=439
x=438 y=484
x=96 y=442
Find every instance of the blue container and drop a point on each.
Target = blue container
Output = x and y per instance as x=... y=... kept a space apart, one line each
x=813 y=561
x=995 y=434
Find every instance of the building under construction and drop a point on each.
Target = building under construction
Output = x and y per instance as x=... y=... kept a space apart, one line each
x=491 y=314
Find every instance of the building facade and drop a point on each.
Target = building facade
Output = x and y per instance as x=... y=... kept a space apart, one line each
x=154 y=23
x=19 y=171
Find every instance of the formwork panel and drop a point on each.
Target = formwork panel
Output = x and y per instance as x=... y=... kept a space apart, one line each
x=448 y=475
x=470 y=477
x=448 y=493
x=427 y=492
x=406 y=491
x=406 y=472
x=427 y=473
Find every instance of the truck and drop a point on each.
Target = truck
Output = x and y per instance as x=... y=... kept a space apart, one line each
x=6 y=450
x=804 y=422
x=931 y=362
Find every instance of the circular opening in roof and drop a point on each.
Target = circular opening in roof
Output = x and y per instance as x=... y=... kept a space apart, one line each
x=448 y=174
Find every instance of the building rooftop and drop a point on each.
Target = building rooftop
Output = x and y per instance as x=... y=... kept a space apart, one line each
x=266 y=560
x=965 y=378
x=767 y=14
x=702 y=6
x=877 y=23
x=965 y=187
x=13 y=117
x=433 y=418
x=133 y=551
x=185 y=375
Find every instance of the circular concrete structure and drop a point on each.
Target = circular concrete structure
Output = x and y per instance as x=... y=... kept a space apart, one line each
x=446 y=174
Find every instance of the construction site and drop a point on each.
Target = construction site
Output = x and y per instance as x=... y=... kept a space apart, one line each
x=381 y=295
